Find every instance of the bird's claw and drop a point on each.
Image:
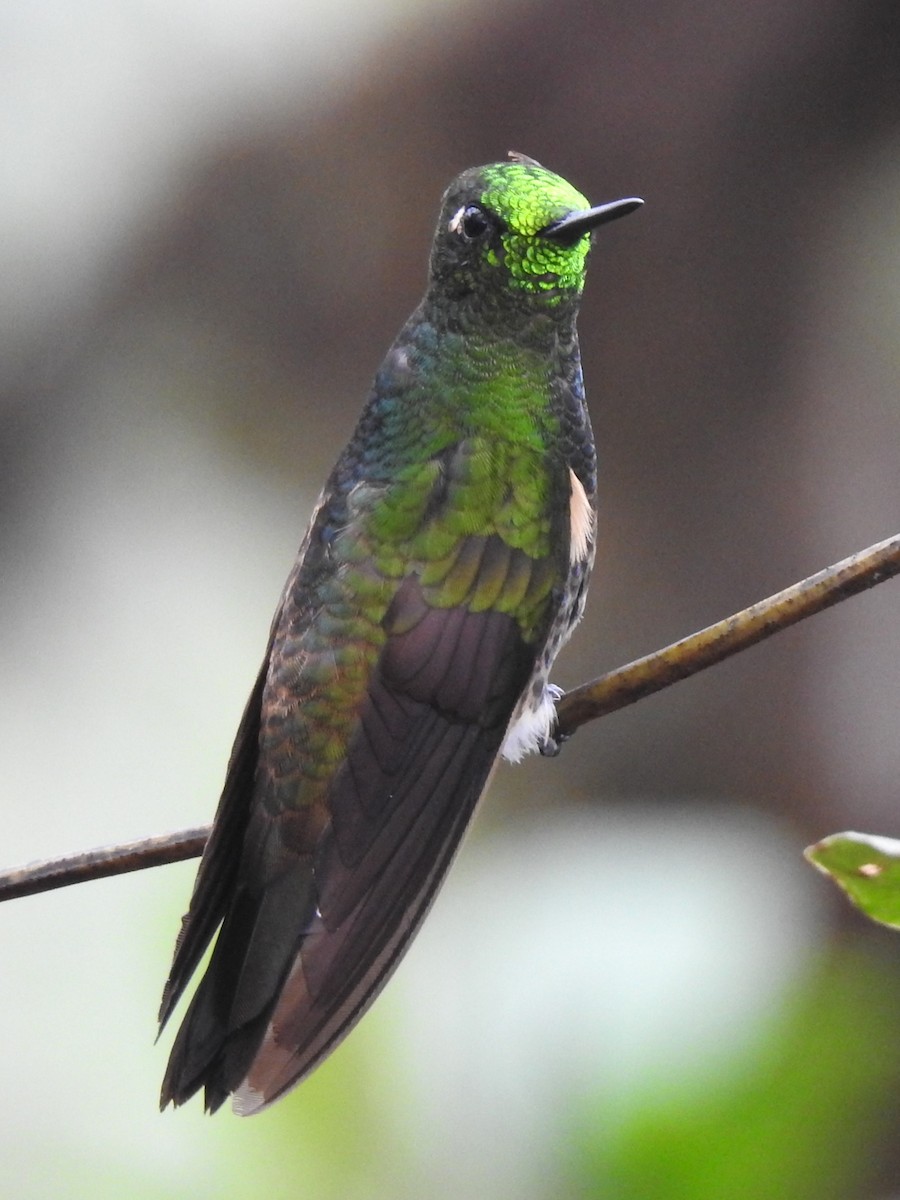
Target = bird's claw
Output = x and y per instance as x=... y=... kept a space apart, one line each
x=551 y=745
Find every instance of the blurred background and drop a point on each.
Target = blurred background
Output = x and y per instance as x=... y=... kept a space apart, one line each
x=213 y=219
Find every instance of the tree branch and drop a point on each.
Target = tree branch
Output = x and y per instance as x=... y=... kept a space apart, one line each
x=601 y=696
x=105 y=860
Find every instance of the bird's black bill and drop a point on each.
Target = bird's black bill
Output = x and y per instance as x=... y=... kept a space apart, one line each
x=570 y=228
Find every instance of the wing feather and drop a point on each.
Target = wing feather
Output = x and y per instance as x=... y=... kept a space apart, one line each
x=219 y=865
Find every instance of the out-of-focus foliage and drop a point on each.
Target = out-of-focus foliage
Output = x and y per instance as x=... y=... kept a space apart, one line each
x=781 y=1122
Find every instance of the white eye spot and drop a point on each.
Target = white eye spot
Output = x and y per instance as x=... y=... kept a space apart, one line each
x=456 y=220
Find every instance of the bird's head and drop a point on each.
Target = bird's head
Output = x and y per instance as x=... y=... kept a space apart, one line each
x=515 y=229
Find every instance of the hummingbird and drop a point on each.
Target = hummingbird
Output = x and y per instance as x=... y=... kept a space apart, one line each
x=445 y=564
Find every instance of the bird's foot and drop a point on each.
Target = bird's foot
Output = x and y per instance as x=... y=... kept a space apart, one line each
x=551 y=745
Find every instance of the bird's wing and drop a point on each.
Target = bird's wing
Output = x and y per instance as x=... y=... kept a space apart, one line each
x=434 y=717
x=326 y=897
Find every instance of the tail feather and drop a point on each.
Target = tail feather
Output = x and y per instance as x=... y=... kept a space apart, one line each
x=228 y=1016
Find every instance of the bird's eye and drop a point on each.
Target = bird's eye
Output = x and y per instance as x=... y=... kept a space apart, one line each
x=474 y=222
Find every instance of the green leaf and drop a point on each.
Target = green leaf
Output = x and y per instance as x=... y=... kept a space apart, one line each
x=867 y=867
